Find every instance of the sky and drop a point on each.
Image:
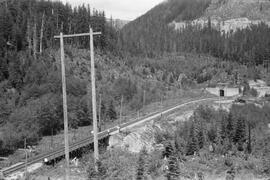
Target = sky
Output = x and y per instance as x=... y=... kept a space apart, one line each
x=119 y=9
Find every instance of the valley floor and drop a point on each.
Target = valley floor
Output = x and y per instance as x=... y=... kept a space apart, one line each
x=183 y=114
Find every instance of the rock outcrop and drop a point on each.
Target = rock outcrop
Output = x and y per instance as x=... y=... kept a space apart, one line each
x=135 y=141
x=229 y=15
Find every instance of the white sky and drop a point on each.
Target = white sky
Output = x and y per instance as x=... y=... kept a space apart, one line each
x=119 y=9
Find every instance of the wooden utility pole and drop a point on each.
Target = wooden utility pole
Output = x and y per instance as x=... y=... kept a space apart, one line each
x=99 y=114
x=161 y=102
x=266 y=65
x=26 y=158
x=219 y=102
x=121 y=109
x=65 y=105
x=35 y=40
x=41 y=33
x=29 y=36
x=91 y=34
x=143 y=98
x=52 y=139
x=93 y=78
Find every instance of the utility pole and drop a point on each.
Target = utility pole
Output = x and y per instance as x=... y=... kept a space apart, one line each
x=266 y=65
x=65 y=105
x=219 y=101
x=96 y=154
x=143 y=99
x=161 y=102
x=26 y=160
x=91 y=35
x=99 y=114
x=52 y=139
x=41 y=33
x=121 y=109
x=249 y=148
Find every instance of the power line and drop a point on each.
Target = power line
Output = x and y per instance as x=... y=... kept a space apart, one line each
x=121 y=109
x=96 y=154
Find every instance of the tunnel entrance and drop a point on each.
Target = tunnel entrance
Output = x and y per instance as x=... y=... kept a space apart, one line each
x=221 y=93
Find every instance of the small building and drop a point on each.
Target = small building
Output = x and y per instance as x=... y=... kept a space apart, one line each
x=260 y=86
x=224 y=90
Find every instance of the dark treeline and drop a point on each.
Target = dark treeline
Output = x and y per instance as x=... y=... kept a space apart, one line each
x=231 y=143
x=248 y=46
x=30 y=81
x=30 y=75
x=25 y=21
x=151 y=36
x=232 y=137
x=29 y=26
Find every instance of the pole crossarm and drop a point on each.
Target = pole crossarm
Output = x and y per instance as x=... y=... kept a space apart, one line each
x=93 y=81
x=77 y=35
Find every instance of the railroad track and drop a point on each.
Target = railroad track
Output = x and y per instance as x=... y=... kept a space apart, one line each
x=82 y=143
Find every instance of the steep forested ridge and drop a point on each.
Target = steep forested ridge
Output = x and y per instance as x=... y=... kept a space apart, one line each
x=30 y=79
x=230 y=9
x=29 y=24
x=150 y=35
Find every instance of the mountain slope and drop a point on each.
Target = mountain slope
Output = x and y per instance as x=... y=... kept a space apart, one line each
x=151 y=31
x=230 y=9
x=230 y=30
x=117 y=23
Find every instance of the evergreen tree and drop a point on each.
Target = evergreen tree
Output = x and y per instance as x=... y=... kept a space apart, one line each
x=171 y=79
x=3 y=68
x=201 y=140
x=249 y=148
x=173 y=168
x=141 y=167
x=212 y=134
x=111 y=112
x=223 y=130
x=168 y=150
x=240 y=133
x=103 y=110
x=192 y=146
x=199 y=129
x=229 y=127
x=266 y=155
x=15 y=74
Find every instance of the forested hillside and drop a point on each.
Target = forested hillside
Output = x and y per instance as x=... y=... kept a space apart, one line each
x=34 y=109
x=30 y=81
x=30 y=24
x=142 y=64
x=230 y=9
x=151 y=36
